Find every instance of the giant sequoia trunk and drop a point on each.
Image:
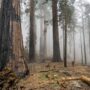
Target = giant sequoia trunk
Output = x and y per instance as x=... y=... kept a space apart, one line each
x=4 y=33
x=11 y=48
x=32 y=33
x=56 y=48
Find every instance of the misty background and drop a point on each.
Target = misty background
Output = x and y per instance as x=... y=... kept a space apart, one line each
x=48 y=16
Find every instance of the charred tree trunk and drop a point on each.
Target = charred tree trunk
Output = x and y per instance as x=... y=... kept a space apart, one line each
x=12 y=43
x=32 y=33
x=4 y=33
x=56 y=48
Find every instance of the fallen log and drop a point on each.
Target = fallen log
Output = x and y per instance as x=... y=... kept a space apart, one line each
x=66 y=79
x=60 y=81
x=69 y=78
x=85 y=79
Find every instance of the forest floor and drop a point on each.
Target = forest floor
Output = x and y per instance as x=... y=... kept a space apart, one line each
x=53 y=76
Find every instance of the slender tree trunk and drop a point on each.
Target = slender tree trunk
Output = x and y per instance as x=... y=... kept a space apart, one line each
x=74 y=45
x=63 y=38
x=84 y=46
x=45 y=31
x=63 y=43
x=65 y=48
x=70 y=42
x=56 y=48
x=32 y=32
x=42 y=42
x=89 y=40
x=81 y=49
x=88 y=17
x=83 y=28
x=45 y=41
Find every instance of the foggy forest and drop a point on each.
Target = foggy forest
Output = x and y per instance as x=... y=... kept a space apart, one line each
x=44 y=44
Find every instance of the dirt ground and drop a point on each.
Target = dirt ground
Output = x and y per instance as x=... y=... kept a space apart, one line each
x=50 y=76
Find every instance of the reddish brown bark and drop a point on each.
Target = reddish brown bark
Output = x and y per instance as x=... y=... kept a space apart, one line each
x=15 y=59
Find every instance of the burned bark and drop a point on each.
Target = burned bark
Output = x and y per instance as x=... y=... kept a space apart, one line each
x=4 y=33
x=11 y=48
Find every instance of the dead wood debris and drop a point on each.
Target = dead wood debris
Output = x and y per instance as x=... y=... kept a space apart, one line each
x=85 y=79
x=8 y=79
x=63 y=80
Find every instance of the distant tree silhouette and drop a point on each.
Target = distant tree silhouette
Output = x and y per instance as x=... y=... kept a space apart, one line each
x=56 y=48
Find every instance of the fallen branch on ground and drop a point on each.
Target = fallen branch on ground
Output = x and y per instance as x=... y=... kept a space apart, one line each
x=61 y=81
x=85 y=79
